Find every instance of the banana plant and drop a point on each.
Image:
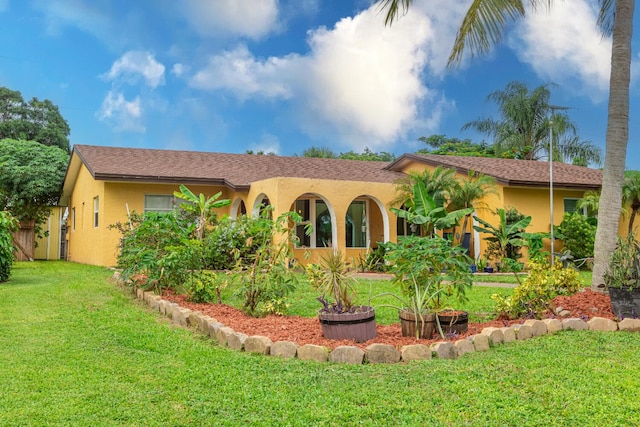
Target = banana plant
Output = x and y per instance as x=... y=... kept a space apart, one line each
x=201 y=206
x=425 y=211
x=505 y=234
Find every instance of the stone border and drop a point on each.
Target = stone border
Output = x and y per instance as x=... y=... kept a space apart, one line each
x=374 y=353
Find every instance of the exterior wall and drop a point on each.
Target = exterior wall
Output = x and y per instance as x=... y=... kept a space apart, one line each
x=86 y=241
x=283 y=192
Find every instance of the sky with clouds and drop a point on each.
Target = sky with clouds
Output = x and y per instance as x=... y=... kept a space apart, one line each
x=285 y=75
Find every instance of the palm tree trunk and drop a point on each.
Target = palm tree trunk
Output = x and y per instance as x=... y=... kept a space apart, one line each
x=632 y=219
x=617 y=137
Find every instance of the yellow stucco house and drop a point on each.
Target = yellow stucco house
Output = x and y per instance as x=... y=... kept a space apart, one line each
x=347 y=201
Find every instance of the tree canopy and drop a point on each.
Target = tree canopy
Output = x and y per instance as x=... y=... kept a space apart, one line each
x=31 y=176
x=367 y=154
x=440 y=144
x=35 y=120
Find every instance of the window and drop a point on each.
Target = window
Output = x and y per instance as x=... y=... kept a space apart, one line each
x=158 y=203
x=322 y=233
x=356 y=225
x=96 y=204
x=404 y=228
x=571 y=206
x=73 y=219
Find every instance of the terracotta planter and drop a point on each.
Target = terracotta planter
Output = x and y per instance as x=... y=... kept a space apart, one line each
x=426 y=324
x=625 y=303
x=359 y=326
x=454 y=321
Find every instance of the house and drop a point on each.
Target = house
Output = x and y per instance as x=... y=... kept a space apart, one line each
x=347 y=201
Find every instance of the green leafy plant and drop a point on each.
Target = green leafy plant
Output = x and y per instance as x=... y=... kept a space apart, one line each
x=578 y=235
x=535 y=245
x=153 y=249
x=206 y=286
x=506 y=234
x=267 y=280
x=201 y=206
x=233 y=241
x=8 y=224
x=432 y=263
x=429 y=212
x=331 y=277
x=623 y=271
x=532 y=296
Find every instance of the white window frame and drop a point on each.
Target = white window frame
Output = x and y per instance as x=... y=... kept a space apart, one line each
x=167 y=196
x=96 y=212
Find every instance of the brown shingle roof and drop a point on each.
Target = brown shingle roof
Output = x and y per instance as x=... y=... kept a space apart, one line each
x=530 y=173
x=237 y=171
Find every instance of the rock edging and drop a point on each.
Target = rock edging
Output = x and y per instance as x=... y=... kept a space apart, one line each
x=375 y=353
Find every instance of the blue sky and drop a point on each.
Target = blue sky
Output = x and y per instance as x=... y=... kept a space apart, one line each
x=281 y=76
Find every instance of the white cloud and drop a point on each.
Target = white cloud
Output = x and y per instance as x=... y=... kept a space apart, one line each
x=362 y=82
x=564 y=46
x=268 y=144
x=248 y=18
x=238 y=71
x=122 y=114
x=179 y=69
x=135 y=64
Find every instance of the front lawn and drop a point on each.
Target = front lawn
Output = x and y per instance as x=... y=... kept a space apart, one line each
x=78 y=350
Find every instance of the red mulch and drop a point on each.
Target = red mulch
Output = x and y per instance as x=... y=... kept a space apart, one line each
x=585 y=304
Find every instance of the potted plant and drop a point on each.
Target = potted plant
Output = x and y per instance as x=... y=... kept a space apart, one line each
x=481 y=264
x=339 y=317
x=430 y=272
x=622 y=278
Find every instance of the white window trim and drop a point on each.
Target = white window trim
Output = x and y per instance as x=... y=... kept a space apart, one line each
x=96 y=212
x=367 y=227
x=312 y=220
x=173 y=203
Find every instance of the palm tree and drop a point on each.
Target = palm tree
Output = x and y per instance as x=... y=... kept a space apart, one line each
x=439 y=184
x=469 y=193
x=484 y=25
x=523 y=128
x=631 y=197
x=591 y=201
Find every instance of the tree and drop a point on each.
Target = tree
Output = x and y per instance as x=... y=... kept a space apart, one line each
x=369 y=155
x=469 y=193
x=484 y=25
x=201 y=206
x=522 y=131
x=437 y=183
x=322 y=152
x=35 y=120
x=31 y=176
x=455 y=147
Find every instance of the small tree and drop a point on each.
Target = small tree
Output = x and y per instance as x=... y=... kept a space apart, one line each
x=31 y=176
x=504 y=235
x=201 y=206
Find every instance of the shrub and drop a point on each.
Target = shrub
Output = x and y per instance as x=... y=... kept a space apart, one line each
x=532 y=296
x=154 y=247
x=8 y=224
x=233 y=241
x=578 y=235
x=267 y=279
x=205 y=286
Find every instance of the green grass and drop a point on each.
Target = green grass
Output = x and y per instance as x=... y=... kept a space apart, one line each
x=77 y=350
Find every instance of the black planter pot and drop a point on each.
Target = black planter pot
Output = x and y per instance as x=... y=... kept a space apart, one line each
x=359 y=326
x=454 y=321
x=488 y=269
x=625 y=303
